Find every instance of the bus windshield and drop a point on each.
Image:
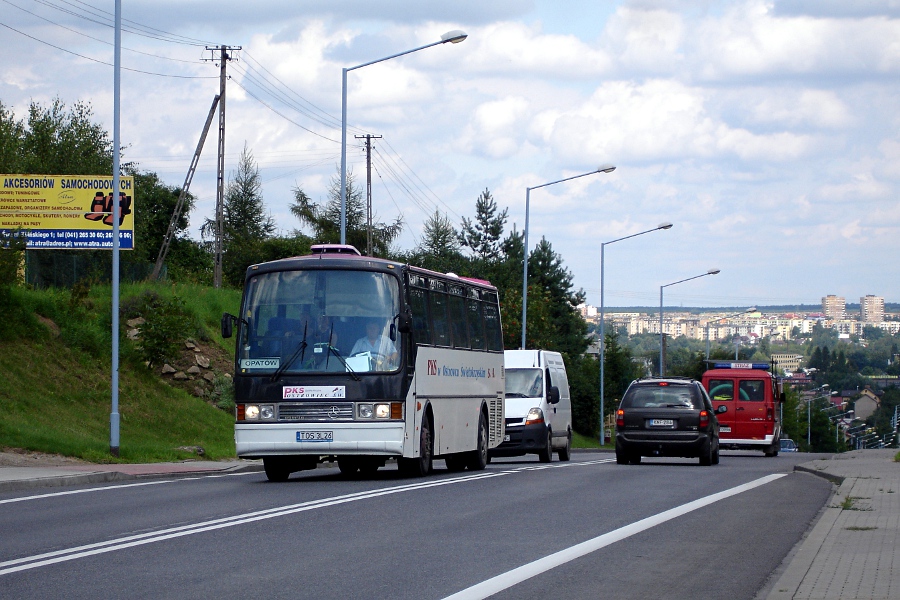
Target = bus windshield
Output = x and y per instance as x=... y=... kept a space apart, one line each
x=304 y=321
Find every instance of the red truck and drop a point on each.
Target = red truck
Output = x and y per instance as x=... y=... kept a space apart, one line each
x=751 y=394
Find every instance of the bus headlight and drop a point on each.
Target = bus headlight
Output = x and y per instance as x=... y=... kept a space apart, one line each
x=382 y=411
x=365 y=411
x=267 y=412
x=251 y=412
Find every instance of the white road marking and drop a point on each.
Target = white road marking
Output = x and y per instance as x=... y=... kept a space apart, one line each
x=506 y=580
x=119 y=487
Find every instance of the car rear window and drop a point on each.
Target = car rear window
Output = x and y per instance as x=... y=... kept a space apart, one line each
x=657 y=396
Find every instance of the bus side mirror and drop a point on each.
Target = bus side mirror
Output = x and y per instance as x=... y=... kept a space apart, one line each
x=227 y=325
x=553 y=395
x=404 y=322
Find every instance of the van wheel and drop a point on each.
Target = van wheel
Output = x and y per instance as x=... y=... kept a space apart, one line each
x=634 y=459
x=478 y=457
x=277 y=468
x=621 y=458
x=546 y=453
x=565 y=453
x=421 y=466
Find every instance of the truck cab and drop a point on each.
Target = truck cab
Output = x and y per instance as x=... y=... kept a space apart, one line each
x=751 y=395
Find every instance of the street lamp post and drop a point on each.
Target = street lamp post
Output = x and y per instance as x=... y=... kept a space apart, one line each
x=453 y=37
x=743 y=312
x=601 y=169
x=662 y=366
x=602 y=326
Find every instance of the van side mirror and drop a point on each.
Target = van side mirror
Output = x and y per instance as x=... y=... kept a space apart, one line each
x=227 y=325
x=553 y=395
x=721 y=409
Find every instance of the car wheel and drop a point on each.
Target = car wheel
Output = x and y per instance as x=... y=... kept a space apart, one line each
x=565 y=453
x=421 y=466
x=276 y=468
x=477 y=459
x=546 y=453
x=715 y=457
x=635 y=459
x=706 y=454
x=621 y=458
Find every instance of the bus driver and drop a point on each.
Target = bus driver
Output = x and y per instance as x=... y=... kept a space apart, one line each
x=379 y=346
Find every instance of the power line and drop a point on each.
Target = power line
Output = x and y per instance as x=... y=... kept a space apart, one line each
x=93 y=38
x=103 y=62
x=93 y=14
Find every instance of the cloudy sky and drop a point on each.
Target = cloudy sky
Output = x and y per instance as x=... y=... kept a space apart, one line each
x=767 y=131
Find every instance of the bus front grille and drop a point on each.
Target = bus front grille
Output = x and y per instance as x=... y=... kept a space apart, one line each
x=322 y=412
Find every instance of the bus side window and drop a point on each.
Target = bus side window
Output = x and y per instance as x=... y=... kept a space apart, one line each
x=492 y=330
x=458 y=321
x=439 y=322
x=476 y=325
x=419 y=303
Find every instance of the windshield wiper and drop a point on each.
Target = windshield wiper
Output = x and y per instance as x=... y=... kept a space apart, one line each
x=333 y=350
x=299 y=352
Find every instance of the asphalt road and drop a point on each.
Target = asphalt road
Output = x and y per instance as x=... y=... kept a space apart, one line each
x=520 y=529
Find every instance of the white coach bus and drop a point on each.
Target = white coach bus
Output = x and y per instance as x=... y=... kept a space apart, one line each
x=357 y=359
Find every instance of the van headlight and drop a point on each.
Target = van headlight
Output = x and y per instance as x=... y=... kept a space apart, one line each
x=534 y=416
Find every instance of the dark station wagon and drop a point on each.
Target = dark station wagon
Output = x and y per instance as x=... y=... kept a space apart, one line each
x=668 y=416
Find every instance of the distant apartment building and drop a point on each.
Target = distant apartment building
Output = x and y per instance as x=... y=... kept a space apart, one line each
x=834 y=307
x=789 y=362
x=871 y=309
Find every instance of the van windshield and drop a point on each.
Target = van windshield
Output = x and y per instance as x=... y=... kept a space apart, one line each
x=524 y=383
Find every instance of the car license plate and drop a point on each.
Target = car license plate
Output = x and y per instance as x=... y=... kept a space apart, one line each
x=315 y=436
x=661 y=422
x=724 y=429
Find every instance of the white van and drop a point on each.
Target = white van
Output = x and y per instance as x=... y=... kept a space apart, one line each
x=538 y=406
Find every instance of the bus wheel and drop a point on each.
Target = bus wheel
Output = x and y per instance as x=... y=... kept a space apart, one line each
x=348 y=466
x=545 y=454
x=276 y=468
x=478 y=457
x=419 y=467
x=455 y=462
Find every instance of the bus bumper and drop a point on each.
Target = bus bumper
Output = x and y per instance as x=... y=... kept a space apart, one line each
x=362 y=439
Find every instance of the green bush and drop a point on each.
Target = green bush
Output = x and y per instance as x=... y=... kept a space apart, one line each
x=166 y=325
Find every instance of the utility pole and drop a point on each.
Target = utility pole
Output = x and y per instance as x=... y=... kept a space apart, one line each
x=224 y=57
x=368 y=138
x=176 y=214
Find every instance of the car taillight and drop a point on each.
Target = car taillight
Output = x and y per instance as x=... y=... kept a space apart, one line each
x=620 y=418
x=704 y=419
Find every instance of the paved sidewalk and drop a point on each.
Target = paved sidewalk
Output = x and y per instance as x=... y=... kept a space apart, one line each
x=21 y=478
x=853 y=550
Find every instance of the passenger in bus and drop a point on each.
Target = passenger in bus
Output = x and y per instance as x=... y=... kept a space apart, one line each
x=323 y=331
x=379 y=346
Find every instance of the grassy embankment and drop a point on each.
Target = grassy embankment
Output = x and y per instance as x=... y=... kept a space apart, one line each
x=55 y=378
